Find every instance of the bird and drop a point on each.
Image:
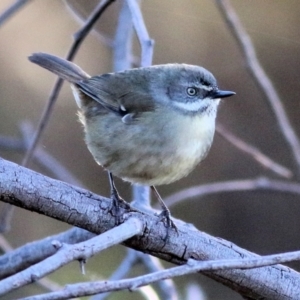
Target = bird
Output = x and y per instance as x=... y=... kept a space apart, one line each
x=150 y=125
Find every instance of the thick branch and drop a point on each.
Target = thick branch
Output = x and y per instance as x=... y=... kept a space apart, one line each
x=30 y=190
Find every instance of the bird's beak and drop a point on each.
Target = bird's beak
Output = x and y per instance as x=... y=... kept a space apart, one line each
x=221 y=94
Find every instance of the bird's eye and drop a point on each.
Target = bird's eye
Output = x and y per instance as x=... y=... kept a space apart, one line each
x=191 y=91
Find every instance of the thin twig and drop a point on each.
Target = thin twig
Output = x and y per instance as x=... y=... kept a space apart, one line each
x=49 y=284
x=124 y=268
x=255 y=153
x=4 y=244
x=11 y=10
x=141 y=194
x=260 y=183
x=11 y=143
x=40 y=156
x=139 y=25
x=122 y=46
x=195 y=291
x=69 y=253
x=260 y=76
x=79 y=37
x=29 y=254
x=80 y=16
x=167 y=287
x=47 y=160
x=43 y=121
x=193 y=266
x=6 y=214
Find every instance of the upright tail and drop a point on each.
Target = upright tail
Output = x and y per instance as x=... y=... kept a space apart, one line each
x=61 y=67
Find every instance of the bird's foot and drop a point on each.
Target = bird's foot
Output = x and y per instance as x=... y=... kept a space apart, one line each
x=165 y=217
x=118 y=204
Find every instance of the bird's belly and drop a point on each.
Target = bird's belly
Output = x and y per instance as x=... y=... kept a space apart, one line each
x=165 y=166
x=153 y=157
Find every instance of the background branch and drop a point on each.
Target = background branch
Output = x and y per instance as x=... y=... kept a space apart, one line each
x=255 y=153
x=79 y=37
x=12 y=10
x=261 y=183
x=259 y=75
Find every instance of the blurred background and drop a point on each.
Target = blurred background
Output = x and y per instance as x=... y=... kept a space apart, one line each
x=190 y=32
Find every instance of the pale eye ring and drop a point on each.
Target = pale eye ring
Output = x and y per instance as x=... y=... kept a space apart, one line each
x=191 y=91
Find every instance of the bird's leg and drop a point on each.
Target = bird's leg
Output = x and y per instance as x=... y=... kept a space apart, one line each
x=165 y=215
x=117 y=201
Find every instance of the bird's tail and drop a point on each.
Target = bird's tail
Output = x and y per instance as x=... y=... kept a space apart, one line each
x=59 y=66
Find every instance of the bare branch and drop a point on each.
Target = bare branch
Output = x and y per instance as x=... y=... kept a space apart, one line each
x=46 y=283
x=84 y=289
x=4 y=244
x=79 y=37
x=49 y=284
x=22 y=187
x=34 y=252
x=80 y=16
x=255 y=153
x=141 y=194
x=167 y=287
x=194 y=291
x=10 y=11
x=142 y=33
x=40 y=156
x=6 y=214
x=124 y=268
x=122 y=46
x=11 y=143
x=260 y=76
x=69 y=253
x=45 y=159
x=260 y=183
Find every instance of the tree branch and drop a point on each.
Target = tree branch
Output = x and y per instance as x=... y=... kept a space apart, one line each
x=68 y=253
x=78 y=39
x=12 y=9
x=260 y=183
x=259 y=75
x=90 y=288
x=34 y=252
x=30 y=190
x=255 y=153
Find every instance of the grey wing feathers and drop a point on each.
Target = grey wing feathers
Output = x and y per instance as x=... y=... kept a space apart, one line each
x=95 y=92
x=117 y=95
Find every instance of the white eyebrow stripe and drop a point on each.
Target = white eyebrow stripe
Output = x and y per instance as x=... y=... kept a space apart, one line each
x=207 y=88
x=197 y=105
x=189 y=106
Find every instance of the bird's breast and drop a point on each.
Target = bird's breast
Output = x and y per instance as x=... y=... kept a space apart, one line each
x=191 y=137
x=157 y=149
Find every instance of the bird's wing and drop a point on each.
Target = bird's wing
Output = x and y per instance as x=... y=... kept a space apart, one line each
x=118 y=95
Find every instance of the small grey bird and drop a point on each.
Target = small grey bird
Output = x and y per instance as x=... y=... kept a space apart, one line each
x=148 y=126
